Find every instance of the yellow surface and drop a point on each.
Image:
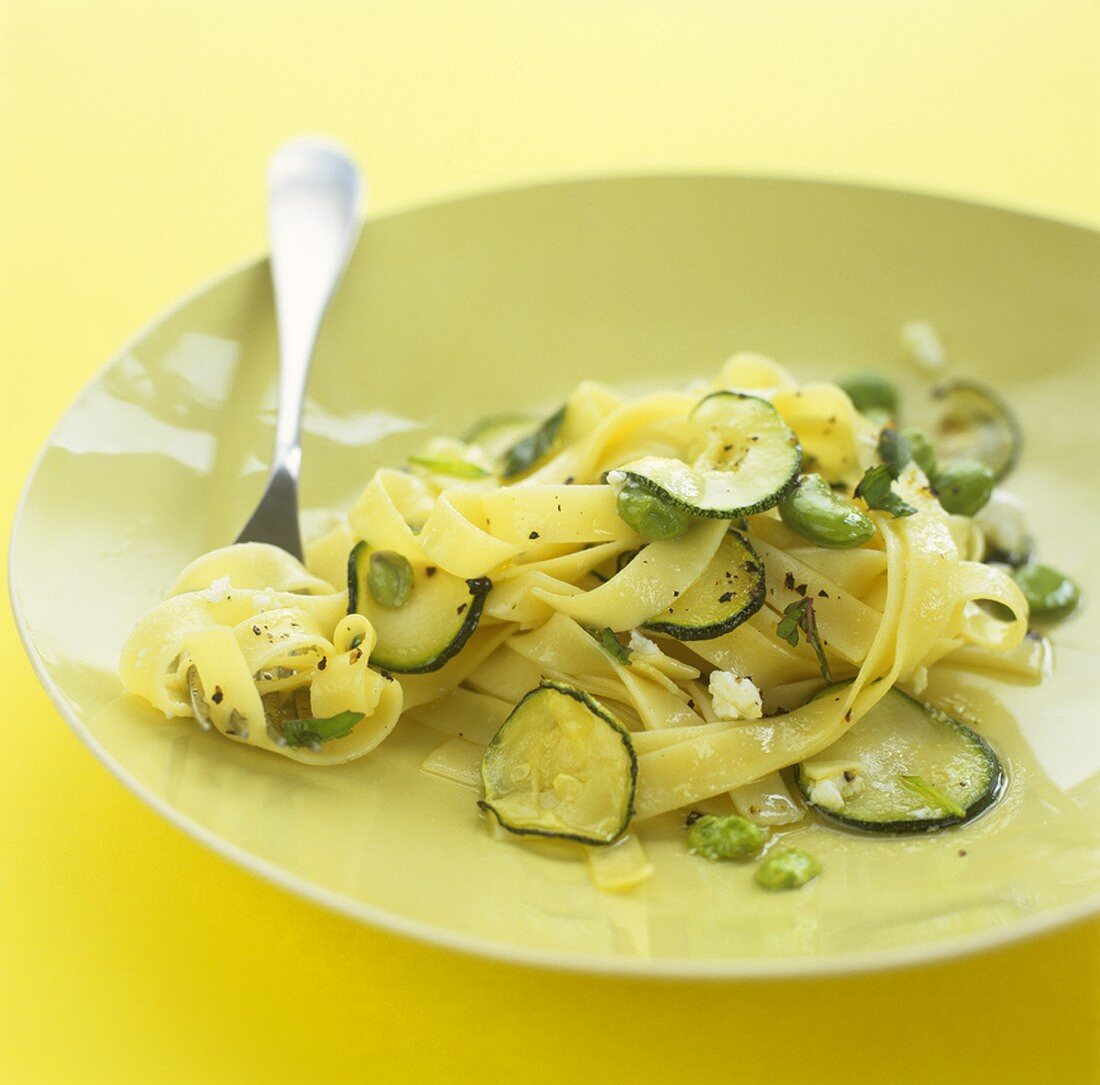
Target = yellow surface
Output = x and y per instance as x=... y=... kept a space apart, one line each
x=134 y=137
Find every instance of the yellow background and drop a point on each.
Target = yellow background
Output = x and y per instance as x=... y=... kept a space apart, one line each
x=134 y=136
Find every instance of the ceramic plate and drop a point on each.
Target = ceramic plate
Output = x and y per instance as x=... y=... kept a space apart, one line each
x=504 y=301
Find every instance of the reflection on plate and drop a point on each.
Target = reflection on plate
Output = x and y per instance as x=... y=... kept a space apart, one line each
x=502 y=300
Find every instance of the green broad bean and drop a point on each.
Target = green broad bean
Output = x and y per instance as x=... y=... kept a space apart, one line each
x=650 y=515
x=817 y=513
x=920 y=448
x=389 y=578
x=871 y=392
x=729 y=836
x=1049 y=593
x=964 y=486
x=790 y=868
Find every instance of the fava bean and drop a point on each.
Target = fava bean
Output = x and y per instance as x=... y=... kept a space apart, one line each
x=1049 y=593
x=650 y=515
x=964 y=486
x=819 y=514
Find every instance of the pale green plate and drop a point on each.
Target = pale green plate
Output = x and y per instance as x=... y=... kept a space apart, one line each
x=506 y=301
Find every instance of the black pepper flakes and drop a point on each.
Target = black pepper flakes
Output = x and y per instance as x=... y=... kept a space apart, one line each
x=461 y=607
x=848 y=716
x=322 y=663
x=431 y=570
x=725 y=597
x=788 y=581
x=533 y=535
x=256 y=630
x=692 y=818
x=357 y=655
x=801 y=589
x=823 y=594
x=218 y=696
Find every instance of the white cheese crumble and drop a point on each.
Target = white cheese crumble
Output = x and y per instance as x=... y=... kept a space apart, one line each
x=734 y=697
x=833 y=783
x=1003 y=521
x=923 y=345
x=615 y=479
x=262 y=599
x=218 y=591
x=643 y=646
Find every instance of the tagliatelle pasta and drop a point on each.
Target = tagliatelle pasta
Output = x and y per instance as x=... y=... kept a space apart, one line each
x=517 y=598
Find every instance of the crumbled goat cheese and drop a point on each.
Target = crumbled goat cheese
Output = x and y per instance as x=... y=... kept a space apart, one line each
x=218 y=591
x=923 y=345
x=734 y=697
x=1003 y=522
x=643 y=646
x=615 y=479
x=833 y=783
x=262 y=599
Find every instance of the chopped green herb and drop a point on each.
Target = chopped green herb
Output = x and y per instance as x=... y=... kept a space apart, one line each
x=800 y=616
x=389 y=578
x=610 y=644
x=314 y=732
x=919 y=786
x=453 y=468
x=529 y=450
x=875 y=489
x=893 y=450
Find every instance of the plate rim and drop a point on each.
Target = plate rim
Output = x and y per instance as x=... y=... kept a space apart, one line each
x=663 y=968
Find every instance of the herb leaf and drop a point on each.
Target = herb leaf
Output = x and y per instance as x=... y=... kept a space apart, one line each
x=610 y=644
x=527 y=451
x=313 y=732
x=919 y=786
x=800 y=616
x=875 y=489
x=893 y=450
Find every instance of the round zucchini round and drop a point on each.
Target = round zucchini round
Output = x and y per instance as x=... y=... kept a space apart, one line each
x=561 y=765
x=729 y=591
x=904 y=768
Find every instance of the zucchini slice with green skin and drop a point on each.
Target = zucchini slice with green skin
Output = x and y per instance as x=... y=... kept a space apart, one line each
x=729 y=591
x=974 y=423
x=746 y=459
x=561 y=765
x=905 y=767
x=438 y=618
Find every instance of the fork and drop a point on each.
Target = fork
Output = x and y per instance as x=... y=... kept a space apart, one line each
x=314 y=196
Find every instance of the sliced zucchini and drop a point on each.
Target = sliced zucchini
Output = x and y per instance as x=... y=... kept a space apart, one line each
x=730 y=590
x=905 y=767
x=561 y=765
x=745 y=460
x=438 y=616
x=498 y=433
x=974 y=423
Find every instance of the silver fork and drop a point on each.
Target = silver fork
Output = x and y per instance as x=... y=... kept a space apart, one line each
x=314 y=196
